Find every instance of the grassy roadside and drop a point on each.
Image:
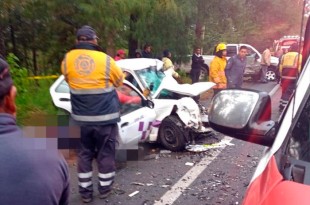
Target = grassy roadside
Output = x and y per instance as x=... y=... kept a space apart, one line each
x=34 y=101
x=33 y=98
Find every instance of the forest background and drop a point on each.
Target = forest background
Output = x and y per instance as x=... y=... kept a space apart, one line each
x=35 y=34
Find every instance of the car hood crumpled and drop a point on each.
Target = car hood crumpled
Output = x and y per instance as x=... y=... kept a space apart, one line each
x=169 y=83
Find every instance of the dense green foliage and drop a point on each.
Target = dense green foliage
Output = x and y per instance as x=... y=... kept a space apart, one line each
x=33 y=98
x=39 y=32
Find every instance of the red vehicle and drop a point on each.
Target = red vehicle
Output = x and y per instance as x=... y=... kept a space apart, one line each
x=282 y=176
x=286 y=41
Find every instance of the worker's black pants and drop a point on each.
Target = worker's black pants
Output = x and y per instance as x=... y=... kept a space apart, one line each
x=97 y=141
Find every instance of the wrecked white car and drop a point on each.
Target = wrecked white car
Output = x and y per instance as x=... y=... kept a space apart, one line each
x=173 y=123
x=161 y=87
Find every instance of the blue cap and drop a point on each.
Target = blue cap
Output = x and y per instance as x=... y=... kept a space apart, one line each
x=86 y=33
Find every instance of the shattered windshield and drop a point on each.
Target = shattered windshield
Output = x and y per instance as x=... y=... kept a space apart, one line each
x=150 y=77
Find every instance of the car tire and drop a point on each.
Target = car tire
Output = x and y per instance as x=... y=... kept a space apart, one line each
x=171 y=133
x=271 y=74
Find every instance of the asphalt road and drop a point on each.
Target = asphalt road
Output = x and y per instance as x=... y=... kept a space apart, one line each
x=157 y=176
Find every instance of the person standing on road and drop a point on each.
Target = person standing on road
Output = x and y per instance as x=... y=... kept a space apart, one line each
x=168 y=65
x=93 y=76
x=138 y=53
x=217 y=68
x=265 y=63
x=235 y=68
x=147 y=51
x=197 y=65
x=289 y=70
x=31 y=173
x=278 y=66
x=120 y=54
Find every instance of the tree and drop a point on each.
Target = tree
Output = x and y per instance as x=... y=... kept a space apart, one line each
x=39 y=32
x=272 y=20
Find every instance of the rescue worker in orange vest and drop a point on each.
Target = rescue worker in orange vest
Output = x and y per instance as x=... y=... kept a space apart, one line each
x=289 y=69
x=92 y=77
x=217 y=68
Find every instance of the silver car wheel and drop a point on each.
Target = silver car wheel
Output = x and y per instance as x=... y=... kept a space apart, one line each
x=270 y=75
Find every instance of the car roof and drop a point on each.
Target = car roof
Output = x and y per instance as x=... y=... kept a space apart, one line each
x=139 y=63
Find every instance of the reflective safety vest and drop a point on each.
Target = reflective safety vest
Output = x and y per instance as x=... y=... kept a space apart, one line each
x=290 y=65
x=92 y=77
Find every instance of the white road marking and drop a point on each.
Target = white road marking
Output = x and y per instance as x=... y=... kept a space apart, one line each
x=274 y=90
x=176 y=190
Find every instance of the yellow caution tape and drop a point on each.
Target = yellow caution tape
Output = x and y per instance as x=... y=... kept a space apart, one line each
x=43 y=77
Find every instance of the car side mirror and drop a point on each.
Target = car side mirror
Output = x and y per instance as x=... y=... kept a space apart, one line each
x=150 y=104
x=243 y=114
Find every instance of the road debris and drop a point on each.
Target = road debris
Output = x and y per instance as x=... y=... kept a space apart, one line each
x=168 y=183
x=146 y=202
x=189 y=164
x=137 y=183
x=119 y=191
x=151 y=156
x=149 y=184
x=133 y=193
x=205 y=147
x=165 y=152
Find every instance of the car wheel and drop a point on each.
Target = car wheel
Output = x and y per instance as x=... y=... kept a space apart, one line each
x=171 y=134
x=271 y=74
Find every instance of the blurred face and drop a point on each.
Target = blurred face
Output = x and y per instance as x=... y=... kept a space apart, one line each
x=242 y=52
x=94 y=41
x=198 y=51
x=224 y=52
x=148 y=49
x=123 y=55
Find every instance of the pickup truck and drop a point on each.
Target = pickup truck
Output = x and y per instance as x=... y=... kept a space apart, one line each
x=253 y=62
x=252 y=70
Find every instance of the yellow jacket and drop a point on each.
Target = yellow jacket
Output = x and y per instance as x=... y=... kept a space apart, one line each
x=289 y=61
x=90 y=70
x=92 y=77
x=168 y=65
x=217 y=72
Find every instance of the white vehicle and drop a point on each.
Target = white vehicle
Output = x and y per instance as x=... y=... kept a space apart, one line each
x=173 y=123
x=253 y=67
x=253 y=61
x=162 y=88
